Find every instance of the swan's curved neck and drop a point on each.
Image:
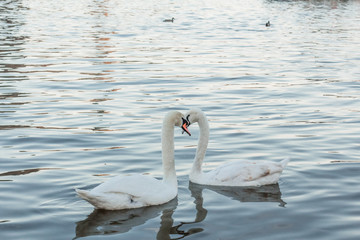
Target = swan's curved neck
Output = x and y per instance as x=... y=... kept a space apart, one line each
x=167 y=142
x=202 y=145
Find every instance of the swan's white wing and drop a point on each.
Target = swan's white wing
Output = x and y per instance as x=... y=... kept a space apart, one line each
x=135 y=184
x=129 y=191
x=245 y=171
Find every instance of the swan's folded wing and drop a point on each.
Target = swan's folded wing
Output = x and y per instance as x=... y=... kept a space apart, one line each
x=110 y=200
x=245 y=171
x=147 y=188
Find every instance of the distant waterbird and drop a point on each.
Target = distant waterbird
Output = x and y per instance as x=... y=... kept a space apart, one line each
x=169 y=20
x=267 y=24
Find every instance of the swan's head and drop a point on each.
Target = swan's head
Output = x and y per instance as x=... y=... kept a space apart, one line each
x=179 y=121
x=193 y=115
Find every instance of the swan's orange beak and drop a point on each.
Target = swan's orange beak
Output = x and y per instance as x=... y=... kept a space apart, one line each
x=184 y=126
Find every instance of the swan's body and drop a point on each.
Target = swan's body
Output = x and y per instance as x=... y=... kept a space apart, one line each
x=240 y=173
x=135 y=191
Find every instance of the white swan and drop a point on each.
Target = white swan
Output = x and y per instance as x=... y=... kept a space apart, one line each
x=135 y=191
x=240 y=173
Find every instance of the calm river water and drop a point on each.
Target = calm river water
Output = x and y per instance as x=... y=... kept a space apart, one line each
x=84 y=86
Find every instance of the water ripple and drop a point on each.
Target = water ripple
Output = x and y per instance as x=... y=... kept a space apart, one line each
x=84 y=86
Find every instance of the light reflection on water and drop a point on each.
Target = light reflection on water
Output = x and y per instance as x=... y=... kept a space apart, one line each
x=84 y=86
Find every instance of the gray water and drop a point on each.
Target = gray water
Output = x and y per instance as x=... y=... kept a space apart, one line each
x=84 y=86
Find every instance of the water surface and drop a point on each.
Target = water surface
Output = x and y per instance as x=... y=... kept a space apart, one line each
x=84 y=86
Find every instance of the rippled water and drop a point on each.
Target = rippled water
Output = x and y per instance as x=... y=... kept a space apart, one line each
x=84 y=86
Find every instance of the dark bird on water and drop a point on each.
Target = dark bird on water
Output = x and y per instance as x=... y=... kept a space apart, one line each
x=169 y=20
x=267 y=24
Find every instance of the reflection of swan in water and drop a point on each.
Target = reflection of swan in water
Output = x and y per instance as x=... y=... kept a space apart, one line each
x=266 y=193
x=200 y=216
x=104 y=222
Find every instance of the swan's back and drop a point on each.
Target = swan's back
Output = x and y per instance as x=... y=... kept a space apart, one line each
x=243 y=173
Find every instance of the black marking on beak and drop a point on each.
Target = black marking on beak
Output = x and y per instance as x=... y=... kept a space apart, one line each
x=187 y=118
x=184 y=126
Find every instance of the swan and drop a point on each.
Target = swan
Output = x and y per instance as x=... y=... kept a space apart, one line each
x=135 y=191
x=239 y=173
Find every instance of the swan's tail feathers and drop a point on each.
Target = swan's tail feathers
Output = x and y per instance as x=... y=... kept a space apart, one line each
x=83 y=194
x=95 y=200
x=285 y=162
